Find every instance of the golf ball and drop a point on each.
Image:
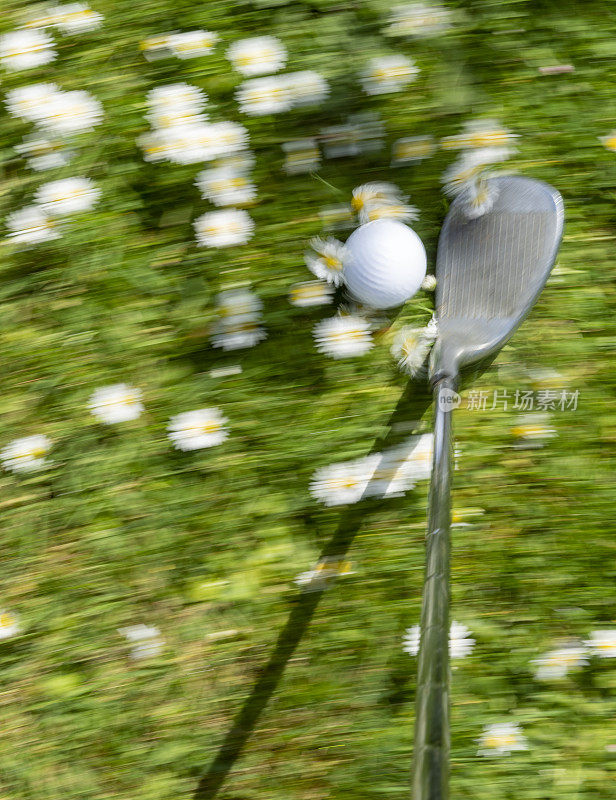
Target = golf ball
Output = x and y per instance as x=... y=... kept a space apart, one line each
x=385 y=263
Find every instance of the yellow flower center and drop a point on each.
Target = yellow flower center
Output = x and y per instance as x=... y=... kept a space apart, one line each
x=501 y=740
x=6 y=620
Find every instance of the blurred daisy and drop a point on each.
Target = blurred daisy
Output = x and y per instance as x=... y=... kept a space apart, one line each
x=192 y=44
x=603 y=643
x=501 y=739
x=343 y=336
x=306 y=88
x=224 y=186
x=388 y=74
x=31 y=225
x=412 y=149
x=67 y=196
x=261 y=96
x=326 y=570
x=469 y=166
x=76 y=18
x=482 y=133
x=429 y=283
x=260 y=55
x=238 y=336
x=30 y=102
x=532 y=429
x=411 y=347
x=402 y=466
x=25 y=49
x=181 y=144
x=71 y=112
x=362 y=134
x=342 y=483
x=156 y=46
x=374 y=209
x=240 y=161
x=557 y=663
x=327 y=260
x=223 y=228
x=194 y=430
x=609 y=141
x=238 y=305
x=9 y=625
x=116 y=403
x=376 y=194
x=301 y=156
x=26 y=454
x=478 y=198
x=43 y=154
x=146 y=640
x=230 y=137
x=460 y=643
x=175 y=104
x=311 y=293
x=418 y=20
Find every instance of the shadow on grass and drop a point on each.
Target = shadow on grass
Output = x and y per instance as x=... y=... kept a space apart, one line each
x=412 y=405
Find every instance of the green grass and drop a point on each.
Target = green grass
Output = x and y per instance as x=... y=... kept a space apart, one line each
x=122 y=529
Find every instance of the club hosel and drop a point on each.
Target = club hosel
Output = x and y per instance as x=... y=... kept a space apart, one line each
x=444 y=365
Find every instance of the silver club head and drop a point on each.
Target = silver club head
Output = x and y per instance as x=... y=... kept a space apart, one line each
x=490 y=270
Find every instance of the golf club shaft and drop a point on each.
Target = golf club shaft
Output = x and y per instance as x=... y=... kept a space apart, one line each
x=431 y=745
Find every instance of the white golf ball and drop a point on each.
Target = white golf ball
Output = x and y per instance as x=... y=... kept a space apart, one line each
x=385 y=263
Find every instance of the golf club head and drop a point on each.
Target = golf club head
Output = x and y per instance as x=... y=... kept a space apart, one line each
x=490 y=271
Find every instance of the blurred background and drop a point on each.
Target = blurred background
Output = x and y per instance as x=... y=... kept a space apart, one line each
x=184 y=449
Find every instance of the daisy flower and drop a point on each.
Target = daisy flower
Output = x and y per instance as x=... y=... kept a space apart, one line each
x=67 y=196
x=25 y=49
x=418 y=20
x=301 y=156
x=478 y=198
x=116 y=403
x=603 y=643
x=30 y=102
x=31 y=225
x=9 y=625
x=342 y=483
x=157 y=46
x=238 y=336
x=376 y=193
x=399 y=468
x=71 y=112
x=192 y=44
x=261 y=96
x=306 y=88
x=326 y=571
x=532 y=429
x=311 y=293
x=483 y=134
x=238 y=305
x=182 y=96
x=429 y=283
x=411 y=347
x=76 y=18
x=469 y=166
x=501 y=739
x=557 y=663
x=181 y=144
x=43 y=154
x=609 y=141
x=388 y=74
x=343 y=337
x=260 y=55
x=223 y=228
x=224 y=186
x=412 y=149
x=374 y=209
x=26 y=454
x=327 y=260
x=146 y=641
x=460 y=643
x=194 y=430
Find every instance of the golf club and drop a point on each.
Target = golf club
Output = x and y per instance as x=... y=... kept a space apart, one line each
x=490 y=271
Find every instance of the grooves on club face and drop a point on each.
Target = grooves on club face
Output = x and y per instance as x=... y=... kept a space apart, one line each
x=490 y=271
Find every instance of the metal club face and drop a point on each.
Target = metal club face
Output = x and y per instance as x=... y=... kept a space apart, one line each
x=490 y=270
